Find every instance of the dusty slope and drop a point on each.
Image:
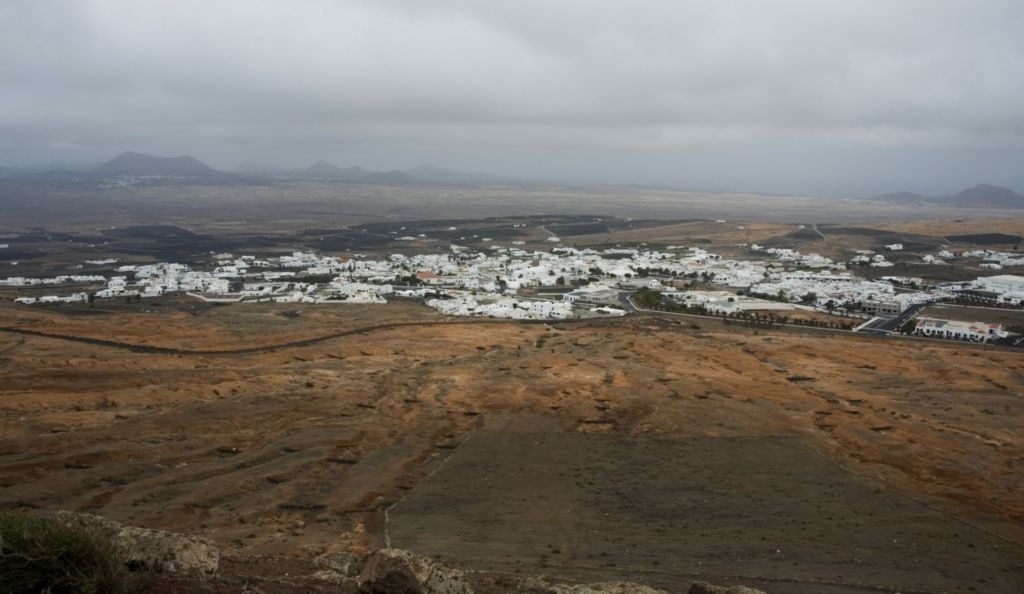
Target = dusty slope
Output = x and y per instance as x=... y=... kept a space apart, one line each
x=1011 y=225
x=300 y=449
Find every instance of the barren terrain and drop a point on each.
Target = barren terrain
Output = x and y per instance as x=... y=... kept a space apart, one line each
x=1011 y=225
x=273 y=207
x=290 y=430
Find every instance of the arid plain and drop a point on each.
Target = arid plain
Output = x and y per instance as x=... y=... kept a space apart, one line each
x=289 y=431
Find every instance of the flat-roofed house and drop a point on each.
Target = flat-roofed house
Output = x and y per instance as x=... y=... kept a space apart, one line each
x=957 y=330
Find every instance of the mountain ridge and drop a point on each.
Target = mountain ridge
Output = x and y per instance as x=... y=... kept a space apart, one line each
x=133 y=163
x=978 y=196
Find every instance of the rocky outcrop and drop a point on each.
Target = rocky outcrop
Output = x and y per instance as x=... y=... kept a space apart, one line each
x=706 y=588
x=546 y=587
x=339 y=568
x=340 y=562
x=150 y=549
x=394 y=571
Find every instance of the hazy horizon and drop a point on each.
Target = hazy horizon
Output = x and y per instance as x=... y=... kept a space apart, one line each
x=795 y=96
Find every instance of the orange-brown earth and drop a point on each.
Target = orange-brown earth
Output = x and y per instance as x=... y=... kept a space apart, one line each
x=1011 y=225
x=297 y=450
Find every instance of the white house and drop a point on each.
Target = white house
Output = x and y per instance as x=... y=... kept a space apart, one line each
x=957 y=330
x=1003 y=283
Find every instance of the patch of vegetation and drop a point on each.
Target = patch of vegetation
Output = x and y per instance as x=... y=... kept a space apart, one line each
x=647 y=298
x=908 y=327
x=40 y=554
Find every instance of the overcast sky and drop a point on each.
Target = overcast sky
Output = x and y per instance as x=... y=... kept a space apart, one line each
x=814 y=96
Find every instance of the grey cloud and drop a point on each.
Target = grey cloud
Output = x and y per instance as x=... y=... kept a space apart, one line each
x=789 y=95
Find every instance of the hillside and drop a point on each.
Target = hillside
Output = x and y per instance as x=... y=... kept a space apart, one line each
x=132 y=163
x=493 y=443
x=986 y=196
x=979 y=196
x=393 y=177
x=328 y=171
x=324 y=170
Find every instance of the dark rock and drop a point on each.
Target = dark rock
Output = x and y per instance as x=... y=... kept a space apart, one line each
x=394 y=571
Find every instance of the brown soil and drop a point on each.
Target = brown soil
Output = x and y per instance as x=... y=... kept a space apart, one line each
x=1010 y=225
x=805 y=315
x=990 y=315
x=524 y=495
x=293 y=451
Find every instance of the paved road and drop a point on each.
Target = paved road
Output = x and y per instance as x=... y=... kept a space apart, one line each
x=1010 y=341
x=627 y=303
x=886 y=325
x=875 y=326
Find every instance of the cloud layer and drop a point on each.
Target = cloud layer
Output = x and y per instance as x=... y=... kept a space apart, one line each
x=789 y=95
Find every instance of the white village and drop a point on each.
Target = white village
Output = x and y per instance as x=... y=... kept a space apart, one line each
x=565 y=282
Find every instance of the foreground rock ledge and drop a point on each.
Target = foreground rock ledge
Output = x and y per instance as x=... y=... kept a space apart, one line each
x=384 y=571
x=151 y=549
x=706 y=588
x=396 y=571
x=541 y=586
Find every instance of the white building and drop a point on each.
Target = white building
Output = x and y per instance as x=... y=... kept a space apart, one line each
x=956 y=330
x=594 y=294
x=1008 y=288
x=1004 y=283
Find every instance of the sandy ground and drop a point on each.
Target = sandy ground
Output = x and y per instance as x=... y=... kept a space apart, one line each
x=298 y=450
x=763 y=511
x=1007 y=317
x=1010 y=225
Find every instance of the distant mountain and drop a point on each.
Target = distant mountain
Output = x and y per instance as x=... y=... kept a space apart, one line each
x=986 y=196
x=393 y=177
x=980 y=196
x=326 y=171
x=131 y=163
x=322 y=170
x=437 y=175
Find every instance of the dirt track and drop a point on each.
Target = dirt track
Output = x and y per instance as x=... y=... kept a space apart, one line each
x=158 y=350
x=296 y=449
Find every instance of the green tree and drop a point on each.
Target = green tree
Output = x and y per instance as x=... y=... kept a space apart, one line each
x=647 y=298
